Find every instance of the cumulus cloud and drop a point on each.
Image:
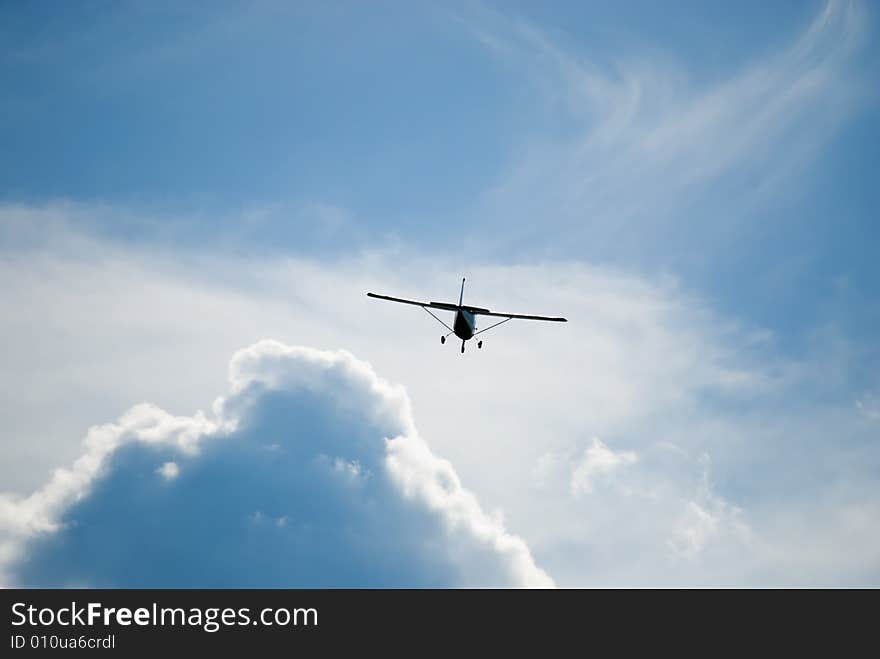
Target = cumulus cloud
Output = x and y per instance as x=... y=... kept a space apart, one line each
x=310 y=472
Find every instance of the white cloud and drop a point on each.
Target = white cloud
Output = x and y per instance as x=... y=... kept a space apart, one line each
x=659 y=504
x=706 y=517
x=444 y=516
x=597 y=462
x=693 y=530
x=169 y=471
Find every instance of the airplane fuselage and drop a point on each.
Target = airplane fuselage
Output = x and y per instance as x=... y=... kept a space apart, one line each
x=465 y=324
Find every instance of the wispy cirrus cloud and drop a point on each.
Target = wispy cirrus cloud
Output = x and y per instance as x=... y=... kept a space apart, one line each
x=641 y=155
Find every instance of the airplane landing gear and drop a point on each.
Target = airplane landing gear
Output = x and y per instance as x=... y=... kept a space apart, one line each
x=462 y=347
x=479 y=344
x=442 y=340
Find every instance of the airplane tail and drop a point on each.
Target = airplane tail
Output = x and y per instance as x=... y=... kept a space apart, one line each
x=461 y=297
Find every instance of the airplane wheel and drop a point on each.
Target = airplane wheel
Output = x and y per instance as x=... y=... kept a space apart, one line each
x=462 y=348
x=442 y=340
x=479 y=344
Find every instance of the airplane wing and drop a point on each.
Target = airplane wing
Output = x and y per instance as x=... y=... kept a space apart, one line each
x=448 y=306
x=397 y=299
x=486 y=312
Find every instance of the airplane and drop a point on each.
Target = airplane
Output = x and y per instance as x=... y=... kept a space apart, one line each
x=465 y=324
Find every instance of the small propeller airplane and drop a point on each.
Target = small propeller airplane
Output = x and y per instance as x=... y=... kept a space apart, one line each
x=465 y=324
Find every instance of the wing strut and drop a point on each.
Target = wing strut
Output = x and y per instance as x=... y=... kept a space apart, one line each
x=491 y=326
x=440 y=321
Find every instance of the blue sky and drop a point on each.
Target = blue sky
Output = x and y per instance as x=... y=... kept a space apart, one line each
x=402 y=118
x=694 y=184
